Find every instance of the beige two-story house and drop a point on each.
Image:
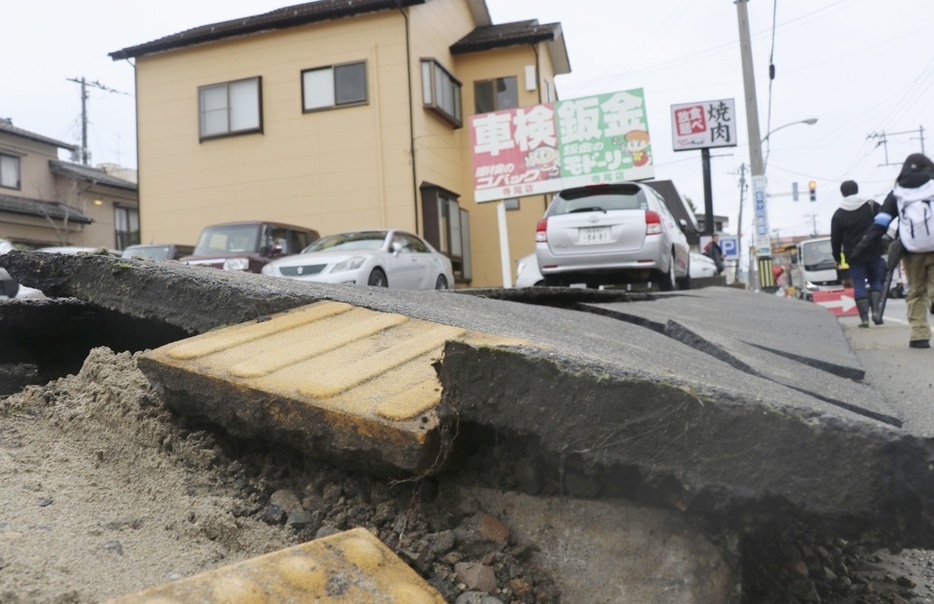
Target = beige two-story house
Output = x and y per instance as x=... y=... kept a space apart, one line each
x=45 y=201
x=339 y=115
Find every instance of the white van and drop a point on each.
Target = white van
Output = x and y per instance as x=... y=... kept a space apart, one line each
x=814 y=268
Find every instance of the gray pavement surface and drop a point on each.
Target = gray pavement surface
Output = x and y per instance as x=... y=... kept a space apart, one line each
x=902 y=376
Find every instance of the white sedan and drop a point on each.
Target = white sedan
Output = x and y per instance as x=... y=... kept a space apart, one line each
x=378 y=257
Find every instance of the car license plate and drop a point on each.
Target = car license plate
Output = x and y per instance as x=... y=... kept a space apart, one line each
x=595 y=235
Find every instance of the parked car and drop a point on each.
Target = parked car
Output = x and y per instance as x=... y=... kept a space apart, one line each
x=9 y=287
x=610 y=234
x=158 y=251
x=248 y=246
x=702 y=266
x=378 y=257
x=528 y=275
x=73 y=249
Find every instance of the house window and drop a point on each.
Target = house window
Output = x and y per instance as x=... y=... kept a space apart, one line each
x=334 y=86
x=496 y=94
x=441 y=92
x=230 y=108
x=126 y=221
x=9 y=172
x=447 y=228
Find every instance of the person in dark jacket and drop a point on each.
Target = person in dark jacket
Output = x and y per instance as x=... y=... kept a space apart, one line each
x=915 y=182
x=847 y=228
x=713 y=251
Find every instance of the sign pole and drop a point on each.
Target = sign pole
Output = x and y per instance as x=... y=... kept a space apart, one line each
x=708 y=193
x=763 y=241
x=504 y=243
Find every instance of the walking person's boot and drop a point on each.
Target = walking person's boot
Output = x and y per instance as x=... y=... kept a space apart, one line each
x=863 y=306
x=875 y=300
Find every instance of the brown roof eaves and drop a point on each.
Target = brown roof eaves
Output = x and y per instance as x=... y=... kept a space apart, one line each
x=283 y=18
x=517 y=33
x=96 y=176
x=37 y=207
x=7 y=127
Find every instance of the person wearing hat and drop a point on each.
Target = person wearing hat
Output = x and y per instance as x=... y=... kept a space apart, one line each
x=910 y=201
x=848 y=226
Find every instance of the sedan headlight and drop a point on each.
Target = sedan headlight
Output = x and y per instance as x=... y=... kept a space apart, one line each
x=351 y=264
x=270 y=271
x=236 y=264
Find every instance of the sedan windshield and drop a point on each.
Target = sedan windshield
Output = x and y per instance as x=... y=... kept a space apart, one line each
x=360 y=240
x=228 y=238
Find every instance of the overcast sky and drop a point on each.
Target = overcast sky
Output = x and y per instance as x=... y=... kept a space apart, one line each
x=863 y=68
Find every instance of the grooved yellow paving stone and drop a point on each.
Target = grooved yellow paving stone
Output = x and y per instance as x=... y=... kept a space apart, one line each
x=331 y=378
x=346 y=568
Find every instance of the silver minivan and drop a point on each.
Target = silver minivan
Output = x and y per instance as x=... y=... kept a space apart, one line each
x=611 y=234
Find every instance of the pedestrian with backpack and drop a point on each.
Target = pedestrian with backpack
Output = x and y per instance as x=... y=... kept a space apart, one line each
x=847 y=228
x=912 y=202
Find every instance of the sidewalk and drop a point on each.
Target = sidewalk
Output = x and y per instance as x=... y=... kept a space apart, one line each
x=902 y=375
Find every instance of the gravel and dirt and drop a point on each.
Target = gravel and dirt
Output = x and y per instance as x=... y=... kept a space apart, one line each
x=105 y=492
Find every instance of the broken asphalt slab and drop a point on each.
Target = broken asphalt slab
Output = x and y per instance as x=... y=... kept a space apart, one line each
x=777 y=344
x=782 y=326
x=604 y=407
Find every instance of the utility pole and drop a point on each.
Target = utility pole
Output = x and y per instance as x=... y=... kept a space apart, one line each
x=884 y=141
x=813 y=218
x=85 y=155
x=763 y=242
x=739 y=221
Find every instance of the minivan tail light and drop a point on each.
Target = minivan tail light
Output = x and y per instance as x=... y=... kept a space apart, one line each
x=653 y=223
x=541 y=231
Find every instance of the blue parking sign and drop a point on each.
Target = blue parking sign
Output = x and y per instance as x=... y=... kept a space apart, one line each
x=730 y=247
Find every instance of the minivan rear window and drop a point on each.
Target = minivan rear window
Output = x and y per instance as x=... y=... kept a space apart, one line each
x=606 y=201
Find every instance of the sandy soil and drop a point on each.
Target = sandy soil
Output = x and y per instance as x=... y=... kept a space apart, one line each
x=105 y=493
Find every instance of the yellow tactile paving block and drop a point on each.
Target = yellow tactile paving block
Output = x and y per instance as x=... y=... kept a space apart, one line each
x=350 y=567
x=366 y=374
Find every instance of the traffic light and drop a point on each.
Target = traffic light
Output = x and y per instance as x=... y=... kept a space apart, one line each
x=813 y=187
x=794 y=191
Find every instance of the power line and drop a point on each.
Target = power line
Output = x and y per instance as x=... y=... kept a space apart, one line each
x=84 y=154
x=884 y=142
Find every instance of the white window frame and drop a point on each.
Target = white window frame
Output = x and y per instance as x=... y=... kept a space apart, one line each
x=496 y=99
x=441 y=92
x=230 y=108
x=10 y=171
x=322 y=87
